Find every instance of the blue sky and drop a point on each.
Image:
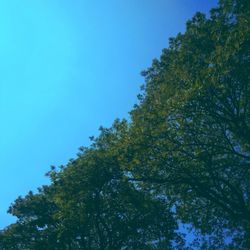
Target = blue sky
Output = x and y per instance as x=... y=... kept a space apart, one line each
x=67 y=67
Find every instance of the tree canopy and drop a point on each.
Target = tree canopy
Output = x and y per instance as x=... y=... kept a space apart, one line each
x=182 y=161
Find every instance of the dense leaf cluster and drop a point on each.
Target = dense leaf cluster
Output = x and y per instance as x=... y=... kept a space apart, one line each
x=182 y=161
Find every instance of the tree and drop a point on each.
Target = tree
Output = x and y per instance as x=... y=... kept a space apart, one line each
x=91 y=204
x=184 y=159
x=190 y=132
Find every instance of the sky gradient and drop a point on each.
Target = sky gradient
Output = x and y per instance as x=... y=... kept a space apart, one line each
x=68 y=67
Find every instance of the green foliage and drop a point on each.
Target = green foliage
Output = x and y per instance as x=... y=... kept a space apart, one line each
x=184 y=159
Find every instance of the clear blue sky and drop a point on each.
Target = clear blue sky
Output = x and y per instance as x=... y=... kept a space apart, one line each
x=67 y=67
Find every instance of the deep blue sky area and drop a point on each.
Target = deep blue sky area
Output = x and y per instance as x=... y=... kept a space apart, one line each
x=67 y=67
